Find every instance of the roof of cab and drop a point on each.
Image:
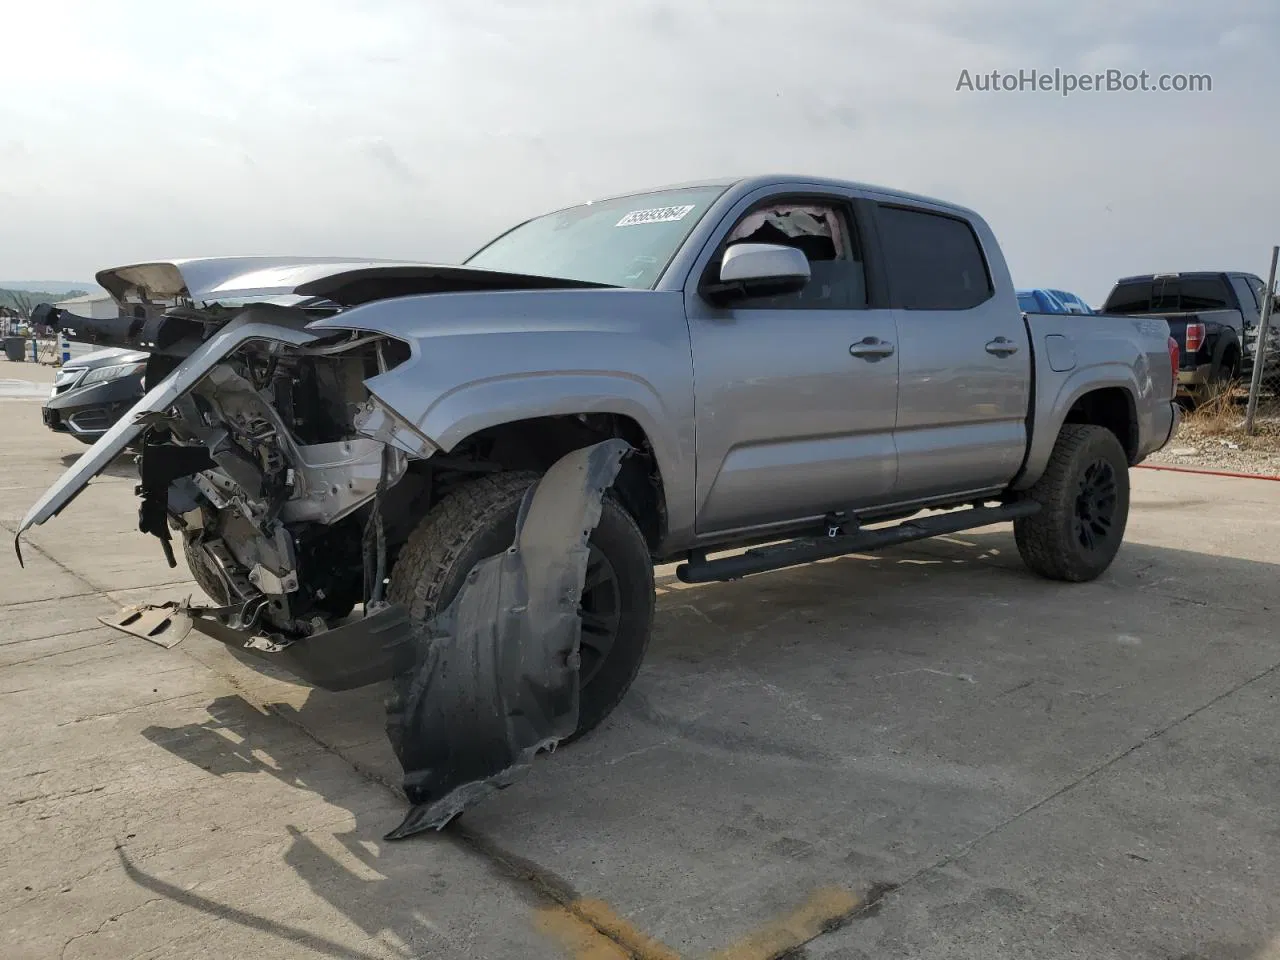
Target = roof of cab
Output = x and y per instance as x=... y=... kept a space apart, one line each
x=1171 y=274
x=746 y=184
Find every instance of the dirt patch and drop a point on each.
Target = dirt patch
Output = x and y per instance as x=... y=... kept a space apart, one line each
x=1212 y=437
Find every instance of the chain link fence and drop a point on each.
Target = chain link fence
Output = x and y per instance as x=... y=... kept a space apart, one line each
x=1262 y=347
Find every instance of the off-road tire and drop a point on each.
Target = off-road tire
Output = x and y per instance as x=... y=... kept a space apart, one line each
x=478 y=521
x=1052 y=542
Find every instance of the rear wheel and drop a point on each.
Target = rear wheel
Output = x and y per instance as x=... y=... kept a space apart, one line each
x=1084 y=497
x=478 y=521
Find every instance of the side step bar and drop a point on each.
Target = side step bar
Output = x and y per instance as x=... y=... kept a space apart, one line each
x=808 y=549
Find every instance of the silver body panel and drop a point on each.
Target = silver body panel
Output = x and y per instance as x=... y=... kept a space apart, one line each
x=211 y=279
x=757 y=419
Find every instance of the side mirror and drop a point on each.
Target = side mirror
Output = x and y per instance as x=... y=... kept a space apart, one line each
x=759 y=270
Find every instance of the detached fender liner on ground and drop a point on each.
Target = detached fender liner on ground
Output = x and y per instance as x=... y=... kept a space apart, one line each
x=479 y=689
x=496 y=674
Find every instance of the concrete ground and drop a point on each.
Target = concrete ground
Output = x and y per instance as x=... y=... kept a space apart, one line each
x=925 y=754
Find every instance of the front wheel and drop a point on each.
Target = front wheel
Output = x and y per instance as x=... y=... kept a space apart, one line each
x=1084 y=498
x=479 y=521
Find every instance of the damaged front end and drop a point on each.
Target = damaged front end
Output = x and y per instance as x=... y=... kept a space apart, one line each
x=288 y=486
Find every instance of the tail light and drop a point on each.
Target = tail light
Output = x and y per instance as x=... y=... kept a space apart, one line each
x=1195 y=337
x=1174 y=362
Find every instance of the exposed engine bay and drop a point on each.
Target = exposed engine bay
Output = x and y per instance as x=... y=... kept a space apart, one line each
x=277 y=518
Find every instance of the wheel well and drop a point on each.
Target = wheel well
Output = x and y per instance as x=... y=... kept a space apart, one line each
x=538 y=442
x=1113 y=408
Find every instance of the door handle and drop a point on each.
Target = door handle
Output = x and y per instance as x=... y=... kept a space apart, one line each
x=871 y=348
x=1002 y=347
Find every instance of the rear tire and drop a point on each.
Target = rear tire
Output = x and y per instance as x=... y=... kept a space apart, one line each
x=478 y=521
x=1084 y=495
x=1228 y=370
x=1220 y=379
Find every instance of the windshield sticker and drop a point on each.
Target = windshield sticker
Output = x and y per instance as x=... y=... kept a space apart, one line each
x=656 y=215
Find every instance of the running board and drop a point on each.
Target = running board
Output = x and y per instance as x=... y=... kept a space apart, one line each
x=808 y=549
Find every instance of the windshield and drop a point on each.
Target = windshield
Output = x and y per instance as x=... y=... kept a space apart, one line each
x=623 y=242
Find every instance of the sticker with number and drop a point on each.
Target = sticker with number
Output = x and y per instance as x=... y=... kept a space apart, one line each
x=656 y=215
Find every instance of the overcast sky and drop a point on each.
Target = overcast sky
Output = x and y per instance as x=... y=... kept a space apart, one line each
x=138 y=130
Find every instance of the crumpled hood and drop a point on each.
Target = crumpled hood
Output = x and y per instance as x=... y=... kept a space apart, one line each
x=344 y=281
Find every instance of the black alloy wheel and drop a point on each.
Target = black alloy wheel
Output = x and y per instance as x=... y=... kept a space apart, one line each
x=1096 y=505
x=601 y=612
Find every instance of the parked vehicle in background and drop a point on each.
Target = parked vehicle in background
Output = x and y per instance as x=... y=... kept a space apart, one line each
x=1040 y=300
x=802 y=367
x=1213 y=315
x=1073 y=303
x=1046 y=300
x=92 y=391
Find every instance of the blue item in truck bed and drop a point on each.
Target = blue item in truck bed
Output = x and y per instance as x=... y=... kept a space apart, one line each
x=1040 y=301
x=1044 y=300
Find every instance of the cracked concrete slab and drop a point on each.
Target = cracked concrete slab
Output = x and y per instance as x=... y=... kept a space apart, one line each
x=1170 y=852
x=155 y=818
x=926 y=753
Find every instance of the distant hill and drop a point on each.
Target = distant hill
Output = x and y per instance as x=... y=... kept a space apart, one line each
x=59 y=287
x=23 y=298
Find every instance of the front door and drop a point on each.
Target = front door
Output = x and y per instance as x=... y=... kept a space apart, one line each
x=796 y=395
x=965 y=359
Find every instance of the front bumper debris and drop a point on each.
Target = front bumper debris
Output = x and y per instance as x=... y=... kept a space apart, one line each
x=490 y=682
x=165 y=624
x=351 y=655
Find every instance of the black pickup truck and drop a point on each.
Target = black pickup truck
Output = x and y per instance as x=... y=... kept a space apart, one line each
x=1214 y=317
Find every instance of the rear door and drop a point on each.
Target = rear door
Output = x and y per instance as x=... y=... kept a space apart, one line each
x=1250 y=308
x=796 y=394
x=964 y=361
x=1250 y=311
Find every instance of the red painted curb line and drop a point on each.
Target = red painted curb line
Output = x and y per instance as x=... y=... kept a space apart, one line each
x=1210 y=473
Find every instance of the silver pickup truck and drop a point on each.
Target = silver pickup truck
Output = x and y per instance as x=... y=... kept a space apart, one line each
x=801 y=367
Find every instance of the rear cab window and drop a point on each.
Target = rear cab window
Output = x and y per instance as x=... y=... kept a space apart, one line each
x=1169 y=295
x=934 y=261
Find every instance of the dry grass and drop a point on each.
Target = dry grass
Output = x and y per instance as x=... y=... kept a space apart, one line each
x=1221 y=416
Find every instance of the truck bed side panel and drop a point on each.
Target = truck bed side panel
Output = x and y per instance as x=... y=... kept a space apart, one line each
x=1075 y=355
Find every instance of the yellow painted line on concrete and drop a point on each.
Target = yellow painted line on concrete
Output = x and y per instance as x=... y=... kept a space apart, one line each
x=579 y=938
x=601 y=916
x=592 y=930
x=812 y=918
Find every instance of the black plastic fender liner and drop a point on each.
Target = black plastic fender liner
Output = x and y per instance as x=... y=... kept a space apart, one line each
x=495 y=678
